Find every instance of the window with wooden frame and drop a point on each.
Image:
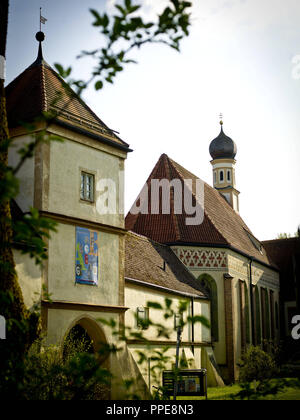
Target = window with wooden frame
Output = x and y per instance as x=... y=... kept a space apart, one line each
x=87 y=183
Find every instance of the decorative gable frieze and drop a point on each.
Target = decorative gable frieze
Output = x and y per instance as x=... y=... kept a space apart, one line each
x=198 y=259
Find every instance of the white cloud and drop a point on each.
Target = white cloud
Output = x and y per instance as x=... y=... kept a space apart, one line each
x=260 y=13
x=257 y=14
x=237 y=60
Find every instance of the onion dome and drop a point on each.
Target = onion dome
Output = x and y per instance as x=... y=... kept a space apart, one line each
x=222 y=147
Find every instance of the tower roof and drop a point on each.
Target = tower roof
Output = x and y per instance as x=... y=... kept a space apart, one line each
x=40 y=89
x=222 y=147
x=221 y=226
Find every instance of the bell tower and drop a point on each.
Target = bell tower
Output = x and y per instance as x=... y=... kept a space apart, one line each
x=223 y=151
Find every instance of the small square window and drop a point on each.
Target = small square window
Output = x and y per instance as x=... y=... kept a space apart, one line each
x=87 y=182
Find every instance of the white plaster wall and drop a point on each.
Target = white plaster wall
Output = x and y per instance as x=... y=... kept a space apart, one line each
x=137 y=296
x=60 y=321
x=67 y=160
x=61 y=274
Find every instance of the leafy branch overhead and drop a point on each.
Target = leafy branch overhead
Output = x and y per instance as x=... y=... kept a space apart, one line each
x=126 y=31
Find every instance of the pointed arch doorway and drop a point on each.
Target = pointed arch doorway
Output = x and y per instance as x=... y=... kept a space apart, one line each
x=85 y=335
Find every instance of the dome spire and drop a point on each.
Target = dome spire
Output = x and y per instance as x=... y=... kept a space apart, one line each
x=223 y=150
x=222 y=147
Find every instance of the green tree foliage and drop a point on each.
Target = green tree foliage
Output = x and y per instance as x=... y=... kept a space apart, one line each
x=53 y=374
x=287 y=235
x=125 y=32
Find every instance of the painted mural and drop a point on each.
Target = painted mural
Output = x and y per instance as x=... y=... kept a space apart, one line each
x=86 y=269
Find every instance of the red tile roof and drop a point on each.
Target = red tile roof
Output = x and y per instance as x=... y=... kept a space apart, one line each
x=221 y=226
x=40 y=89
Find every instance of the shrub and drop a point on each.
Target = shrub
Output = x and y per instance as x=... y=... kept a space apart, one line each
x=257 y=365
x=51 y=375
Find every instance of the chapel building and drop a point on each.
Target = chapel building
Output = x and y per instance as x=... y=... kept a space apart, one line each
x=219 y=249
x=103 y=266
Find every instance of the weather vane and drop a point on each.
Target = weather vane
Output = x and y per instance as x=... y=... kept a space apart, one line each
x=42 y=19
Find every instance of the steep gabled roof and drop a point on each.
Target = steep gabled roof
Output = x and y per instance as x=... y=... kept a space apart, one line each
x=40 y=89
x=150 y=263
x=221 y=225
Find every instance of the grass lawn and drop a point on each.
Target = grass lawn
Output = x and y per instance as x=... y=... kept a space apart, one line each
x=289 y=393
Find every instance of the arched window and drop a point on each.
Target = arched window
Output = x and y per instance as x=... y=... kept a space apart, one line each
x=265 y=310
x=222 y=176
x=228 y=176
x=257 y=323
x=210 y=287
x=276 y=316
x=247 y=315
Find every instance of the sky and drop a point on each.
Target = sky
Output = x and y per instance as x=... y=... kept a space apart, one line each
x=241 y=59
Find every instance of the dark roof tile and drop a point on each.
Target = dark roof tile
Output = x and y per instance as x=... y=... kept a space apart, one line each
x=40 y=89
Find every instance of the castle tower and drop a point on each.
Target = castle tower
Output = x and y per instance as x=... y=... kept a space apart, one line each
x=223 y=150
